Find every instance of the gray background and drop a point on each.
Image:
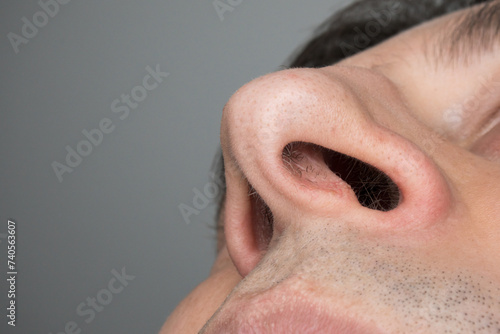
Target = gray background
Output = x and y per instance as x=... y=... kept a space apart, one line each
x=119 y=207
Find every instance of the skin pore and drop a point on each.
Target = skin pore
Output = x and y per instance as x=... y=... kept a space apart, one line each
x=300 y=253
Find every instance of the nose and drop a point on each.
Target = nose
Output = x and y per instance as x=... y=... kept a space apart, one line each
x=303 y=147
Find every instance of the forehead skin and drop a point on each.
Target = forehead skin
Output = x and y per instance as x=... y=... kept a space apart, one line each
x=439 y=279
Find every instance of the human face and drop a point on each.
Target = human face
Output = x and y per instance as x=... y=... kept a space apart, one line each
x=312 y=259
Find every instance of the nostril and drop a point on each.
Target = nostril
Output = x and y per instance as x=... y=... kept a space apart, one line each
x=373 y=188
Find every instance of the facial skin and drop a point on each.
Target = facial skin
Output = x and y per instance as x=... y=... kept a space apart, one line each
x=427 y=120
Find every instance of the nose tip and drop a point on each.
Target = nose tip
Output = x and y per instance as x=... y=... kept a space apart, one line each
x=269 y=113
x=305 y=141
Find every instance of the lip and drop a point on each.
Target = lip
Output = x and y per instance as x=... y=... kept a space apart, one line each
x=284 y=313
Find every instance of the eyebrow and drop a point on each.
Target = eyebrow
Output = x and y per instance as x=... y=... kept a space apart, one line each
x=477 y=32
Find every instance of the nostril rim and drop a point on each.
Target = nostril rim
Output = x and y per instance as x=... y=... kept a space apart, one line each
x=373 y=188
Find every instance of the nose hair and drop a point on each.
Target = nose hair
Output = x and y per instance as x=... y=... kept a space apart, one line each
x=301 y=139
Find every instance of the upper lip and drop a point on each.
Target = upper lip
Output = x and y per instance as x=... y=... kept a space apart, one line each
x=281 y=310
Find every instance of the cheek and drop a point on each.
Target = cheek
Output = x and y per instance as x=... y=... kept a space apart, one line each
x=195 y=310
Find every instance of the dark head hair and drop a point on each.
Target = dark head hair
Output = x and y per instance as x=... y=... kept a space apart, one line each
x=366 y=23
